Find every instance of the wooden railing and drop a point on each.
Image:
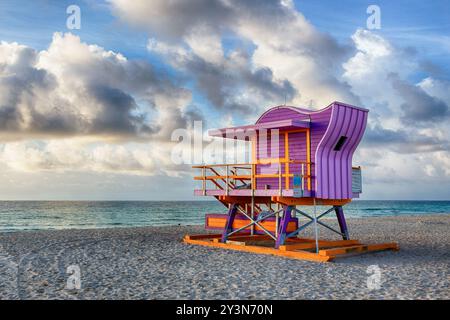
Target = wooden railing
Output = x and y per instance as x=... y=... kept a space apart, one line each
x=227 y=176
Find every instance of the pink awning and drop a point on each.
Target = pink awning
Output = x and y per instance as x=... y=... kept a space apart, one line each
x=244 y=132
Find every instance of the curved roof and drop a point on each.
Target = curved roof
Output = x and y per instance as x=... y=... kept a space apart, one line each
x=304 y=111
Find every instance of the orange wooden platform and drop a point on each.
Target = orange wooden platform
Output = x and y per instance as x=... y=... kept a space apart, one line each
x=218 y=222
x=296 y=248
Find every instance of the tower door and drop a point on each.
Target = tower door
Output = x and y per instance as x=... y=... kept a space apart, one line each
x=297 y=155
x=269 y=152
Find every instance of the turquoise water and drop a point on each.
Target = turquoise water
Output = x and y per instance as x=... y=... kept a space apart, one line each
x=35 y=215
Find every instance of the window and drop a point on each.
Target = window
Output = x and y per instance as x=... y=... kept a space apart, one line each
x=340 y=143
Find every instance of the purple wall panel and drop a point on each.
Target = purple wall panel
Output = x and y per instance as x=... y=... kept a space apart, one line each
x=331 y=170
x=334 y=167
x=360 y=127
x=319 y=125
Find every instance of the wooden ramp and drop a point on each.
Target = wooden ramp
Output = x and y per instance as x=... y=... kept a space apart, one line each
x=296 y=248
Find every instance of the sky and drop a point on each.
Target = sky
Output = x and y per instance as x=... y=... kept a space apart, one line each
x=89 y=113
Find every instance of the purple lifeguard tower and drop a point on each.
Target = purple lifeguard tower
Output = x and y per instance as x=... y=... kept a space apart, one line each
x=299 y=157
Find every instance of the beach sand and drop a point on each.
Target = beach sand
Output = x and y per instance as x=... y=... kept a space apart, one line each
x=153 y=263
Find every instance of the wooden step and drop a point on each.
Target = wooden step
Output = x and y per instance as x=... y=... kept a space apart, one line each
x=322 y=243
x=237 y=243
x=201 y=236
x=256 y=237
x=301 y=255
x=358 y=249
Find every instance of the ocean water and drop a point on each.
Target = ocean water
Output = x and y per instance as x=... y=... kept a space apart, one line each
x=35 y=215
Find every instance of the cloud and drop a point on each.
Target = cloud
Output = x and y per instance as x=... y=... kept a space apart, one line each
x=379 y=74
x=75 y=155
x=76 y=107
x=371 y=69
x=420 y=107
x=271 y=50
x=390 y=175
x=174 y=19
x=402 y=141
x=439 y=89
x=77 y=89
x=408 y=122
x=229 y=84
